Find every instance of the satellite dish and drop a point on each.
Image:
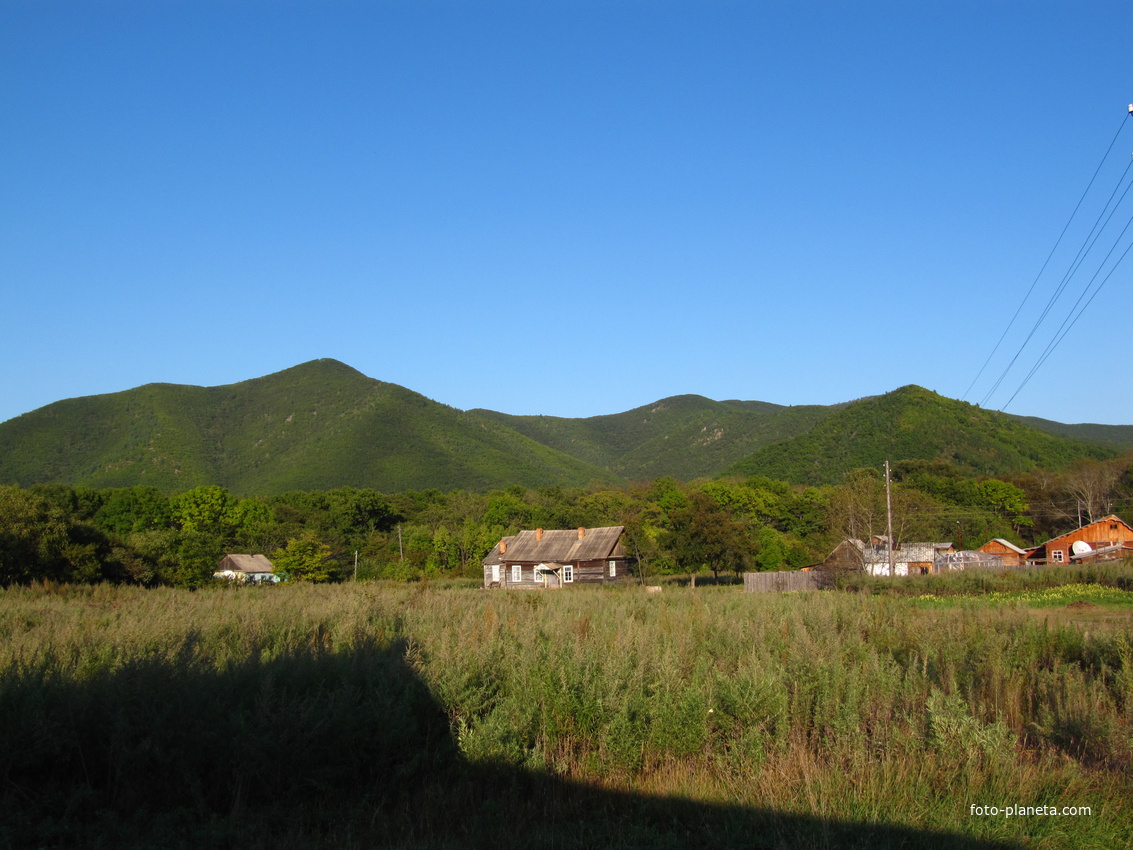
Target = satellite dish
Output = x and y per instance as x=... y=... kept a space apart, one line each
x=1080 y=547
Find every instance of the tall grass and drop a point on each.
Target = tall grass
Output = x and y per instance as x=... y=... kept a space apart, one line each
x=855 y=707
x=978 y=582
x=832 y=707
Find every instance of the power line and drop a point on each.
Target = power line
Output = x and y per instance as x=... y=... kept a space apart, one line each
x=1053 y=344
x=1084 y=249
x=1057 y=242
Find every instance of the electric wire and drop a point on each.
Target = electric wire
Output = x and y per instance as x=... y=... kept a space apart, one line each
x=1057 y=242
x=1058 y=334
x=1087 y=245
x=1090 y=241
x=1051 y=346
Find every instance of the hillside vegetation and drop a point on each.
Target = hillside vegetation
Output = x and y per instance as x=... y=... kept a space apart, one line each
x=685 y=436
x=323 y=425
x=913 y=423
x=317 y=425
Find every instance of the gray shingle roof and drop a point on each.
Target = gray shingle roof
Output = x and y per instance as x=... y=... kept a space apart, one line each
x=558 y=546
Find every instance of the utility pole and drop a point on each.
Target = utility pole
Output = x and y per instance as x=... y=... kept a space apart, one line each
x=889 y=517
x=400 y=551
x=356 y=565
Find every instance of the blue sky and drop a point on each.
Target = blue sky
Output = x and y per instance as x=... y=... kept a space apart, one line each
x=567 y=208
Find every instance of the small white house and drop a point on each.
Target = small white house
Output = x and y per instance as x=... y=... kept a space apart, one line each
x=247 y=569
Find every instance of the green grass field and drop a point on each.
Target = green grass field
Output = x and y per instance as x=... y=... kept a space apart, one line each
x=420 y=716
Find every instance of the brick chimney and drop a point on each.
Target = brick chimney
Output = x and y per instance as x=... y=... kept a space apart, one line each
x=538 y=534
x=581 y=532
x=503 y=547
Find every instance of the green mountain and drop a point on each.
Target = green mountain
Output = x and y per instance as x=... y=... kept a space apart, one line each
x=322 y=425
x=686 y=436
x=913 y=423
x=1117 y=437
x=315 y=426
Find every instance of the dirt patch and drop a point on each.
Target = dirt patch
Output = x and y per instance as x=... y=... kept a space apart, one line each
x=1080 y=605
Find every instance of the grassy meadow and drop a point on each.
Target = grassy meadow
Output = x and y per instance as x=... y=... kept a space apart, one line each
x=375 y=714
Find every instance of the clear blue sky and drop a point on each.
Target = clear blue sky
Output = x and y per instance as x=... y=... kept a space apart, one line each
x=568 y=208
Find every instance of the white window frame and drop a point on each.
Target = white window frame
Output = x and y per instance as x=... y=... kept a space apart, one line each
x=1056 y=556
x=613 y=569
x=495 y=573
x=516 y=574
x=537 y=576
x=568 y=573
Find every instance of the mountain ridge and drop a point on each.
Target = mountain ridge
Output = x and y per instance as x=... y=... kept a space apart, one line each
x=323 y=423
x=912 y=423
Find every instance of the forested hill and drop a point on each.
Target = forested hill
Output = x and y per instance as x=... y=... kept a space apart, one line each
x=323 y=425
x=1118 y=437
x=685 y=436
x=913 y=423
x=315 y=426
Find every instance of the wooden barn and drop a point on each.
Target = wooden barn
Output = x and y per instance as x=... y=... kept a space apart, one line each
x=542 y=559
x=1010 y=554
x=1110 y=533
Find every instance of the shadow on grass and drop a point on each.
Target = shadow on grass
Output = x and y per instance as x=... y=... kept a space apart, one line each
x=318 y=749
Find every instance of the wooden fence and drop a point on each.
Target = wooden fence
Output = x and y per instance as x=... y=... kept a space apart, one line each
x=783 y=581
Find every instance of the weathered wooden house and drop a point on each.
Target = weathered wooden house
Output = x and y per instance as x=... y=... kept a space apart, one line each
x=247 y=569
x=541 y=559
x=1110 y=536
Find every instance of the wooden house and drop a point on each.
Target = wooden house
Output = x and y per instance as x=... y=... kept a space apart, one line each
x=541 y=559
x=1007 y=552
x=1110 y=535
x=246 y=569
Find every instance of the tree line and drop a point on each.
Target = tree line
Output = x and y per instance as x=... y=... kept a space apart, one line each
x=143 y=536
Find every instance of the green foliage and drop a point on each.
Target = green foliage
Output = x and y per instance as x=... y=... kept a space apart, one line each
x=684 y=437
x=137 y=534
x=772 y=551
x=323 y=425
x=207 y=510
x=319 y=425
x=304 y=559
x=958 y=736
x=703 y=535
x=913 y=424
x=133 y=509
x=40 y=541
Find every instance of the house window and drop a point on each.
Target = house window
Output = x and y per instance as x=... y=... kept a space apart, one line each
x=537 y=574
x=516 y=573
x=1056 y=556
x=613 y=569
x=496 y=573
x=568 y=573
